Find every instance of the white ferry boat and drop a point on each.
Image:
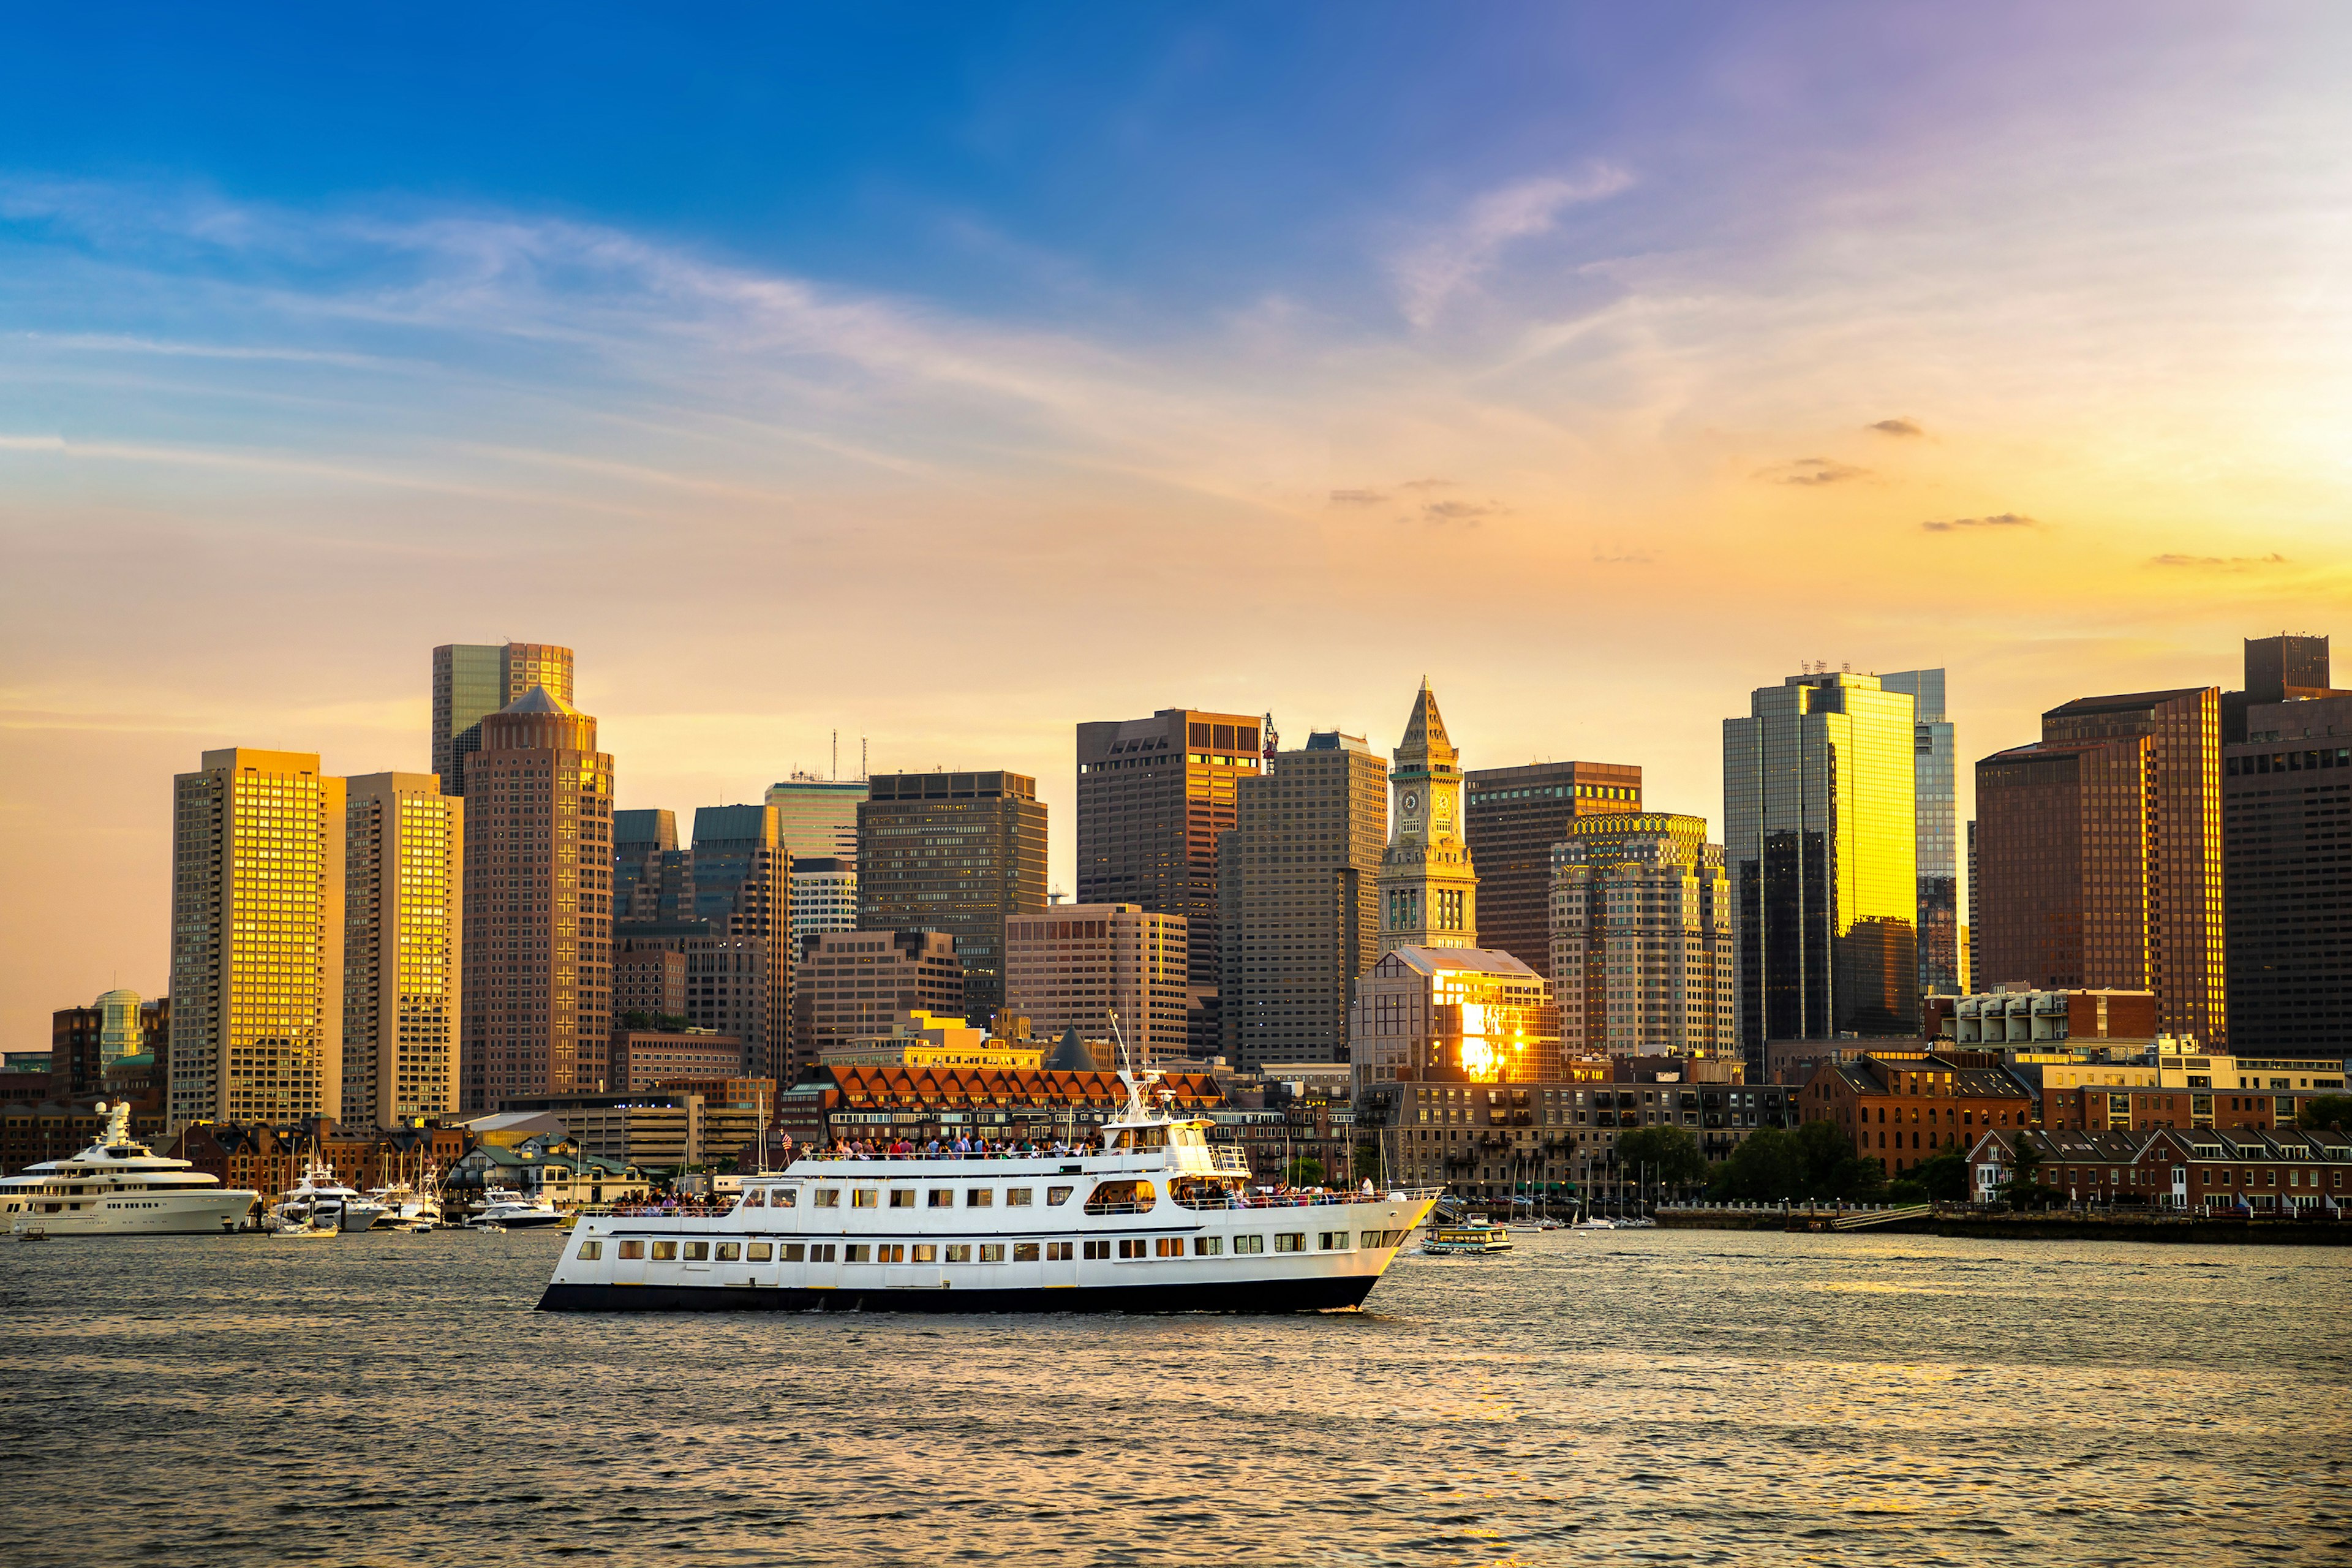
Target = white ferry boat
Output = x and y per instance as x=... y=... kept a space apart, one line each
x=118 y=1187
x=1154 y=1220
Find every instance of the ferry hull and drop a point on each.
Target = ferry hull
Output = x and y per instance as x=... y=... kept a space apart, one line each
x=1325 y=1293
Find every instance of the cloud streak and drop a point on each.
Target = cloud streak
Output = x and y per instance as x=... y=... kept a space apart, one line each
x=1962 y=524
x=1451 y=262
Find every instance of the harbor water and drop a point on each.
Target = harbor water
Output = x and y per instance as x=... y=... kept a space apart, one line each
x=1650 y=1395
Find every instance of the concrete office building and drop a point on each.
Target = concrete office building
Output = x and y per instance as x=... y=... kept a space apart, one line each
x=2286 y=855
x=958 y=853
x=824 y=895
x=256 y=939
x=1935 y=778
x=1154 y=797
x=643 y=1059
x=1642 y=961
x=856 y=983
x=538 y=988
x=1299 y=901
x=472 y=680
x=404 y=935
x=648 y=982
x=1082 y=967
x=1515 y=816
x=818 y=818
x=2099 y=854
x=1820 y=847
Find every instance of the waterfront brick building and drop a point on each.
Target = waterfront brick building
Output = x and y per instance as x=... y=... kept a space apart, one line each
x=1155 y=795
x=40 y=1128
x=2267 y=1173
x=1513 y=818
x=1906 y=1108
x=855 y=983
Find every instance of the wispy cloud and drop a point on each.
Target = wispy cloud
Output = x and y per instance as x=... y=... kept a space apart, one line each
x=2220 y=562
x=1459 y=513
x=1432 y=272
x=1812 y=471
x=1999 y=519
x=1897 y=428
x=1358 y=498
x=1623 y=558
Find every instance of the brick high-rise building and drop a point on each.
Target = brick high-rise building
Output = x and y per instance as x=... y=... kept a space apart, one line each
x=538 y=987
x=1514 y=817
x=957 y=853
x=1642 y=938
x=1299 y=901
x=1154 y=796
x=856 y=983
x=256 y=939
x=1074 y=966
x=2099 y=856
x=2286 y=855
x=403 y=905
x=1821 y=846
x=472 y=680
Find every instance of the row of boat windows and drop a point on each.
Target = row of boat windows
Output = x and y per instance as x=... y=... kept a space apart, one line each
x=73 y=1208
x=1129 y=1248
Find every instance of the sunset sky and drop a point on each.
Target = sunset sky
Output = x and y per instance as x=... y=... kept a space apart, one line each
x=948 y=375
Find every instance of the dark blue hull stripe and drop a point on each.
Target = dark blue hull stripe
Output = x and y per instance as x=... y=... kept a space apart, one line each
x=1267 y=1296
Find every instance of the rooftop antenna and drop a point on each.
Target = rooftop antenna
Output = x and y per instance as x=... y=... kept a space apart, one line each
x=861 y=758
x=836 y=756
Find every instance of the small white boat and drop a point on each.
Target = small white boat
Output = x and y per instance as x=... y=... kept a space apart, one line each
x=512 y=1211
x=317 y=1199
x=1594 y=1222
x=1467 y=1236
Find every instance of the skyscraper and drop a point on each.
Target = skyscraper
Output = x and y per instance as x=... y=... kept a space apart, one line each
x=1821 y=848
x=1642 y=938
x=824 y=895
x=1299 y=901
x=640 y=839
x=537 y=994
x=256 y=939
x=2099 y=855
x=403 y=875
x=818 y=818
x=1154 y=796
x=474 y=680
x=1429 y=893
x=2286 y=857
x=1936 y=788
x=856 y=983
x=1515 y=816
x=742 y=885
x=955 y=853
x=1078 y=966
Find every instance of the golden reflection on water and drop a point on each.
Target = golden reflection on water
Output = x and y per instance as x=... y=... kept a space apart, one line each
x=1698 y=1396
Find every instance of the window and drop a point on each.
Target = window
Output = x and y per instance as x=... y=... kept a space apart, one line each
x=1208 y=1246
x=1169 y=1247
x=757 y=1198
x=828 y=1197
x=1098 y=1249
x=959 y=1252
x=1018 y=1197
x=1249 y=1244
x=857 y=1252
x=760 y=1252
x=785 y=1197
x=730 y=1252
x=1290 y=1241
x=665 y=1252
x=925 y=1253
x=978 y=1197
x=1131 y=1247
x=821 y=1252
x=991 y=1252
x=1024 y=1252
x=1331 y=1240
x=633 y=1250
x=1371 y=1239
x=865 y=1197
x=902 y=1197
x=1059 y=1251
x=1058 y=1195
x=941 y=1197
x=890 y=1253
x=590 y=1250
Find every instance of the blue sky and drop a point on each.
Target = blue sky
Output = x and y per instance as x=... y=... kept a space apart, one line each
x=947 y=375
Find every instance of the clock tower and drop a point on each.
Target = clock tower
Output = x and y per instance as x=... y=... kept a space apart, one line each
x=1428 y=891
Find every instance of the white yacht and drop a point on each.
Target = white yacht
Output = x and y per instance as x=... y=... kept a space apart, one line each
x=117 y=1188
x=512 y=1211
x=318 y=1201
x=1155 y=1219
x=409 y=1207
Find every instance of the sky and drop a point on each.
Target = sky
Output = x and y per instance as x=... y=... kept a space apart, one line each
x=944 y=376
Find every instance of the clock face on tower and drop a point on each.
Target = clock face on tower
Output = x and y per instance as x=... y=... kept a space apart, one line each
x=1411 y=802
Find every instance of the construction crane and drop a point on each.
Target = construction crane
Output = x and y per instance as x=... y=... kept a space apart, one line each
x=1272 y=742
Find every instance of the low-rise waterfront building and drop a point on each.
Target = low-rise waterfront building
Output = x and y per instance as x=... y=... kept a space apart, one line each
x=2271 y=1174
x=1906 y=1108
x=549 y=1165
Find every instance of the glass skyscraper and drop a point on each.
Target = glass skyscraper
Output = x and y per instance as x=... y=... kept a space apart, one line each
x=1935 y=775
x=1821 y=848
x=472 y=680
x=818 y=817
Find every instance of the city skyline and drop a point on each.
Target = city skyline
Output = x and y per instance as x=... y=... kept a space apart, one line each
x=2040 y=318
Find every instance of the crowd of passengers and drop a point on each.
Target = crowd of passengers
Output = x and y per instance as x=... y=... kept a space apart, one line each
x=963 y=1147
